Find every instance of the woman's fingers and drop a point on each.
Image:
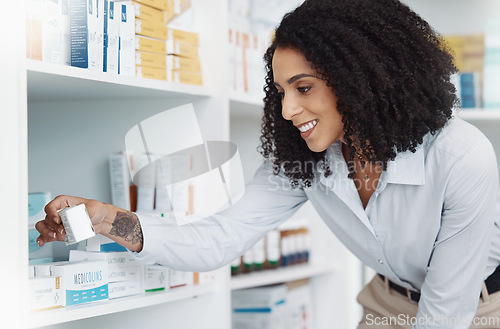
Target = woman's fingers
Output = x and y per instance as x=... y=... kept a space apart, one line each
x=47 y=234
x=60 y=202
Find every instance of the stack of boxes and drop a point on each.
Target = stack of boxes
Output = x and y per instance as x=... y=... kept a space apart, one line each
x=468 y=54
x=151 y=33
x=128 y=37
x=165 y=53
x=93 y=276
x=278 y=306
x=124 y=271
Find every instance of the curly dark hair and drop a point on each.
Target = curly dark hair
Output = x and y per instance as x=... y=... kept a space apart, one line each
x=388 y=68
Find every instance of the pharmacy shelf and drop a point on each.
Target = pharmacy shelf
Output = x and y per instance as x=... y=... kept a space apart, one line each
x=479 y=114
x=84 y=311
x=244 y=105
x=53 y=82
x=292 y=273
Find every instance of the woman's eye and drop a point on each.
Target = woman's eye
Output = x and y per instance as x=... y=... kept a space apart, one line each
x=303 y=89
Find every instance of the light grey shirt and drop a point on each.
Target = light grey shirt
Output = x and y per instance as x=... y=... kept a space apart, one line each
x=429 y=226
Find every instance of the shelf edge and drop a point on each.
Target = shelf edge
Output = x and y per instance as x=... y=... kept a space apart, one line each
x=84 y=311
x=267 y=277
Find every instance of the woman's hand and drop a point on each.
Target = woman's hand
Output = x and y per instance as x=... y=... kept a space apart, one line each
x=51 y=228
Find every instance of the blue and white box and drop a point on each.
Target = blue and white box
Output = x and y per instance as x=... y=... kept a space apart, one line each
x=36 y=205
x=100 y=243
x=87 y=29
x=83 y=282
x=259 y=308
x=111 y=36
x=127 y=40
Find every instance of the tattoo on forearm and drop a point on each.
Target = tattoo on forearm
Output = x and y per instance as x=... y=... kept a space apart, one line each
x=126 y=226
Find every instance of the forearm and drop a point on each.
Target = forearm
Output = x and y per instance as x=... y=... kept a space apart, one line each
x=123 y=227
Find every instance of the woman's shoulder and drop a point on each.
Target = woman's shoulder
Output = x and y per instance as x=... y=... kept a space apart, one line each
x=456 y=138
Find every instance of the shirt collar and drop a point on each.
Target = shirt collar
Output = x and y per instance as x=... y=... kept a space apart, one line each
x=407 y=168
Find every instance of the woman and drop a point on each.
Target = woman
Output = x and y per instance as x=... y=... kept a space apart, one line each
x=358 y=120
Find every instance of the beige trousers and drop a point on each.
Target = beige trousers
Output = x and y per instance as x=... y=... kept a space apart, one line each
x=386 y=308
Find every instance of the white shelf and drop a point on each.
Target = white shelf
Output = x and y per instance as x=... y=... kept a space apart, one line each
x=246 y=105
x=48 y=82
x=479 y=114
x=84 y=311
x=292 y=273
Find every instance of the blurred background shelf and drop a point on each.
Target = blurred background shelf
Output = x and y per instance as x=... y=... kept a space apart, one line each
x=480 y=114
x=279 y=275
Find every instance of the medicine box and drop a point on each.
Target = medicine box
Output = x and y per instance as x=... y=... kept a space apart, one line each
x=101 y=243
x=45 y=269
x=180 y=278
x=87 y=28
x=111 y=258
x=112 y=16
x=150 y=45
x=127 y=39
x=183 y=49
x=151 y=73
x=124 y=289
x=77 y=224
x=156 y=278
x=83 y=282
x=45 y=293
x=150 y=29
x=36 y=204
x=259 y=308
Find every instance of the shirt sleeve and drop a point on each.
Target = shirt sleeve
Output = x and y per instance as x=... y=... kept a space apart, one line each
x=452 y=286
x=214 y=241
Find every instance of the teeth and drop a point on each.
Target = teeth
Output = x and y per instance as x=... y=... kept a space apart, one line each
x=308 y=126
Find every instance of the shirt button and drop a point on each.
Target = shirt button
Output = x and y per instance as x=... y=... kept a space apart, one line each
x=381 y=261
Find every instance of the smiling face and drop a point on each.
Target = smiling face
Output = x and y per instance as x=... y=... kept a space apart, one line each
x=306 y=100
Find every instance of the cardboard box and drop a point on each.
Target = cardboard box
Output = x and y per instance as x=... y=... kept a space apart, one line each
x=183 y=36
x=100 y=243
x=112 y=17
x=180 y=278
x=127 y=37
x=87 y=28
x=150 y=29
x=183 y=49
x=124 y=289
x=111 y=258
x=148 y=13
x=177 y=63
x=185 y=77
x=83 y=282
x=151 y=73
x=150 y=45
x=36 y=204
x=34 y=22
x=158 y=4
x=259 y=308
x=156 y=278
x=45 y=293
x=150 y=59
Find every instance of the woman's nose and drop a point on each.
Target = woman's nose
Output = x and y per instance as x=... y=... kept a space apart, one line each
x=289 y=107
